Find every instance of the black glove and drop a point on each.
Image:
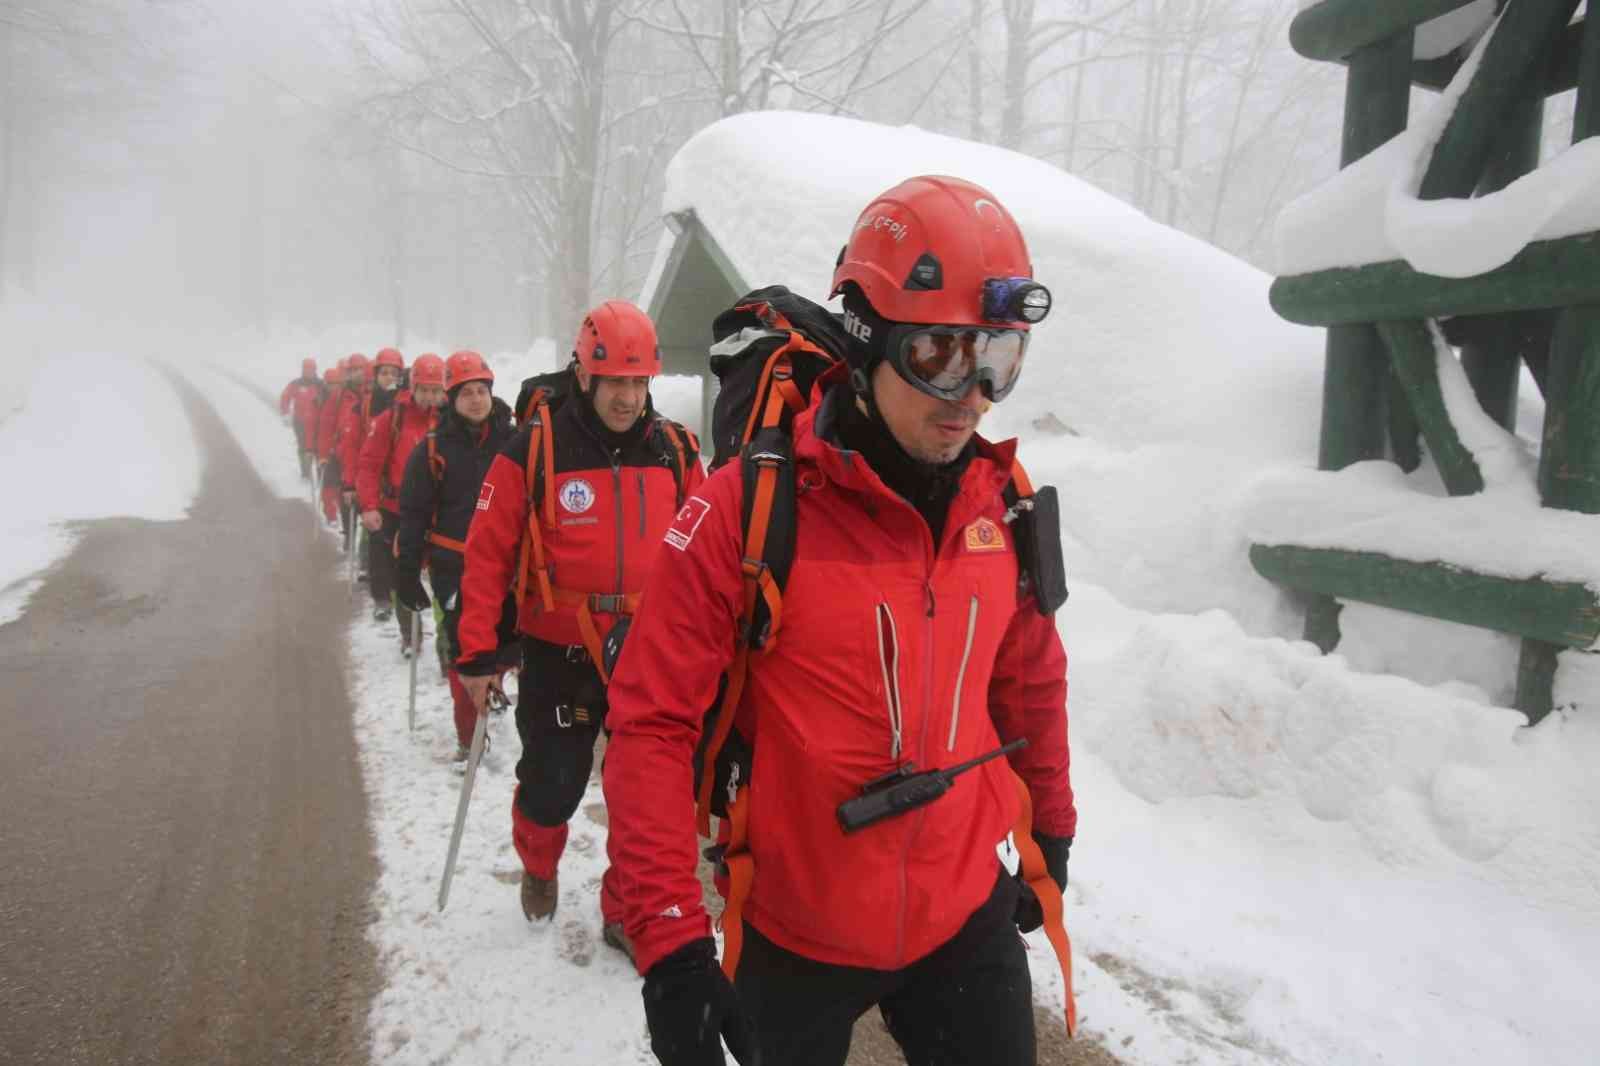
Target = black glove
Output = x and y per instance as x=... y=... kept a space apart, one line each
x=1030 y=913
x=689 y=1003
x=409 y=591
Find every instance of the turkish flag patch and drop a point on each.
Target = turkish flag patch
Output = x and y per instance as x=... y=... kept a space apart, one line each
x=485 y=495
x=687 y=522
x=985 y=536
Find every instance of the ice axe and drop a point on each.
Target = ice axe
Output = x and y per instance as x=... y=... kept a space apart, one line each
x=316 y=497
x=416 y=649
x=497 y=699
x=356 y=529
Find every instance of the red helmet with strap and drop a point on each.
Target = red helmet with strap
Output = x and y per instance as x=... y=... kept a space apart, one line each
x=465 y=366
x=942 y=251
x=618 y=340
x=358 y=369
x=390 y=357
x=427 y=370
x=308 y=368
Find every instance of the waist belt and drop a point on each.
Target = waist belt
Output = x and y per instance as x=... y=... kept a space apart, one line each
x=589 y=604
x=435 y=537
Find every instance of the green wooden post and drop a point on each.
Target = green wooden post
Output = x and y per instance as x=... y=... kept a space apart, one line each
x=1334 y=29
x=1554 y=273
x=1416 y=363
x=1493 y=360
x=1376 y=106
x=1524 y=38
x=1463 y=159
x=1562 y=613
x=1569 y=462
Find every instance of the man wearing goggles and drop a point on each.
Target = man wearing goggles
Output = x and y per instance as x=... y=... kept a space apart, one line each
x=913 y=639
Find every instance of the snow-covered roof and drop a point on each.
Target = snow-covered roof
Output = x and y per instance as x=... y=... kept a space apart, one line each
x=1143 y=312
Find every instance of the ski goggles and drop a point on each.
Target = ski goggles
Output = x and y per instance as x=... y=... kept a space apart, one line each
x=945 y=361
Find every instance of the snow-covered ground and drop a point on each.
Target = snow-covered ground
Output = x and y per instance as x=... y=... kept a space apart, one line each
x=83 y=437
x=1282 y=859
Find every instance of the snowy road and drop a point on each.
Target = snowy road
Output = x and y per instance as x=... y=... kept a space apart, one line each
x=187 y=864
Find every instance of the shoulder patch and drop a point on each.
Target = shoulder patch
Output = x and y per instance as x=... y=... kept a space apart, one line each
x=984 y=536
x=485 y=495
x=687 y=522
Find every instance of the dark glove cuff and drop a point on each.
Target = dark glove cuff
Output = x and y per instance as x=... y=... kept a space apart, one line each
x=479 y=666
x=696 y=956
x=1055 y=851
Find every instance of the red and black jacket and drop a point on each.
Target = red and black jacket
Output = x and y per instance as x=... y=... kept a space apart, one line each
x=439 y=494
x=381 y=466
x=894 y=647
x=612 y=497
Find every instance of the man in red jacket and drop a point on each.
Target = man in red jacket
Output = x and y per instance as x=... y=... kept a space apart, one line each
x=327 y=431
x=608 y=474
x=908 y=637
x=340 y=428
x=381 y=468
x=301 y=400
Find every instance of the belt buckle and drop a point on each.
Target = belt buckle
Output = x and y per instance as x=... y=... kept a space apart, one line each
x=577 y=653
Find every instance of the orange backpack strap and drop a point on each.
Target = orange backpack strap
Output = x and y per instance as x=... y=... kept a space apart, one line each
x=541 y=449
x=680 y=454
x=1019 y=478
x=741 y=875
x=759 y=585
x=1049 y=894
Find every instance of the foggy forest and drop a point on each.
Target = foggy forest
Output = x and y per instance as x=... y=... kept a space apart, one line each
x=483 y=169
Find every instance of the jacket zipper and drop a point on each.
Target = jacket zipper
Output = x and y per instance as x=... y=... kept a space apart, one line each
x=616 y=483
x=889 y=663
x=961 y=674
x=640 y=479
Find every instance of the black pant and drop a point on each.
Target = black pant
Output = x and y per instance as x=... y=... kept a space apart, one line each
x=380 y=561
x=969 y=1003
x=561 y=707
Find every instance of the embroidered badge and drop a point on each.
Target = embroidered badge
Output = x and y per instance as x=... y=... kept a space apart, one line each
x=687 y=521
x=985 y=536
x=485 y=495
x=577 y=495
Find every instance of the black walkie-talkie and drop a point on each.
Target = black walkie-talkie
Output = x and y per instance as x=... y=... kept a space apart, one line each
x=901 y=790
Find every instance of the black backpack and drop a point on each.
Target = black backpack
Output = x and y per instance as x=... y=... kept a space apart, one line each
x=552 y=388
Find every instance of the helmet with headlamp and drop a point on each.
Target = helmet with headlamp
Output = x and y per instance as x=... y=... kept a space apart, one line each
x=946 y=273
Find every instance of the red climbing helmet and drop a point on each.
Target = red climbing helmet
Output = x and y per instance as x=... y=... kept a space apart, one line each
x=618 y=340
x=465 y=366
x=942 y=251
x=427 y=370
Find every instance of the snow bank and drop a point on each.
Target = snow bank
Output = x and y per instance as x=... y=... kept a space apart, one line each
x=1370 y=212
x=98 y=436
x=1143 y=313
x=1371 y=870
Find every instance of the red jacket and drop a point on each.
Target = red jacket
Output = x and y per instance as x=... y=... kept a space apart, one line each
x=971 y=666
x=381 y=465
x=612 y=507
x=328 y=420
x=355 y=418
x=303 y=396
